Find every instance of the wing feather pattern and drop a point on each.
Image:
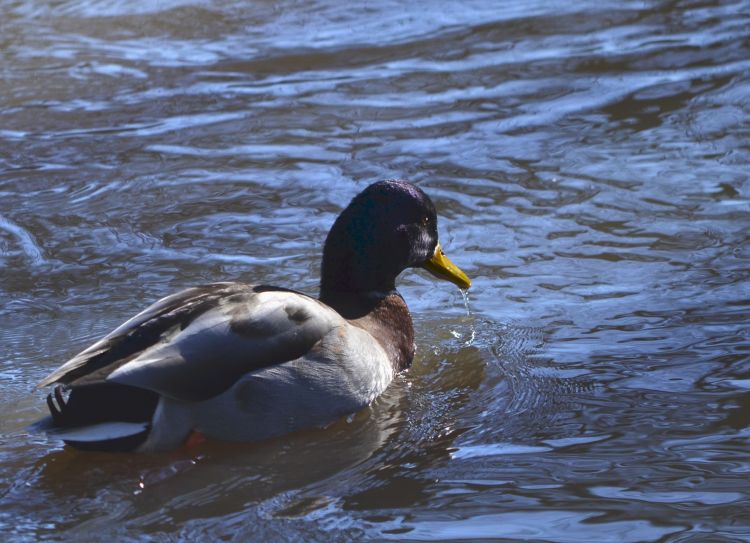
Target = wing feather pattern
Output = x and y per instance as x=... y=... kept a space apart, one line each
x=195 y=344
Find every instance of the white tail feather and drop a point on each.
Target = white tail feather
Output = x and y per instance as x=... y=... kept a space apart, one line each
x=104 y=431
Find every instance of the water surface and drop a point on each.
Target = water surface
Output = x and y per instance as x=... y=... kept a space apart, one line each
x=589 y=162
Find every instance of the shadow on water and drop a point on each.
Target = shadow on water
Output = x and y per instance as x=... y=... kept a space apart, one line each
x=92 y=492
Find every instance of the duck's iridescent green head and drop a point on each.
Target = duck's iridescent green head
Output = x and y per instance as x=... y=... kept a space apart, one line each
x=388 y=227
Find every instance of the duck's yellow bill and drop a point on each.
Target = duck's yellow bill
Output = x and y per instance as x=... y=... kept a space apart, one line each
x=440 y=266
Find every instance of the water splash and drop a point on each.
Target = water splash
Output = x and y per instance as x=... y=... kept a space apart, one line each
x=469 y=319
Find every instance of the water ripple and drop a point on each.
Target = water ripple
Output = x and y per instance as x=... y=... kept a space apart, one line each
x=589 y=165
x=24 y=240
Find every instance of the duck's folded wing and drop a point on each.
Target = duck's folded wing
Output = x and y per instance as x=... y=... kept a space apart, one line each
x=197 y=343
x=140 y=332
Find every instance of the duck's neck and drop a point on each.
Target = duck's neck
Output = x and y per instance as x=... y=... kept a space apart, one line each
x=384 y=315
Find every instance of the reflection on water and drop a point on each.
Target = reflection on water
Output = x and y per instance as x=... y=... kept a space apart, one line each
x=589 y=163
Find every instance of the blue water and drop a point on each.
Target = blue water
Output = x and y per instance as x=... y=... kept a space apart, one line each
x=589 y=162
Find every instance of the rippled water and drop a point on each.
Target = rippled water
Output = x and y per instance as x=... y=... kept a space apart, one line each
x=589 y=161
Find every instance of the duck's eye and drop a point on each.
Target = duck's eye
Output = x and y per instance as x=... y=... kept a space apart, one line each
x=425 y=221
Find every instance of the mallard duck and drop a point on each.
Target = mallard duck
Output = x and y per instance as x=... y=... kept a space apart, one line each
x=241 y=362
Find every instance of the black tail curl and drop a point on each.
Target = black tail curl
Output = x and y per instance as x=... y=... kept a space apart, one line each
x=101 y=403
